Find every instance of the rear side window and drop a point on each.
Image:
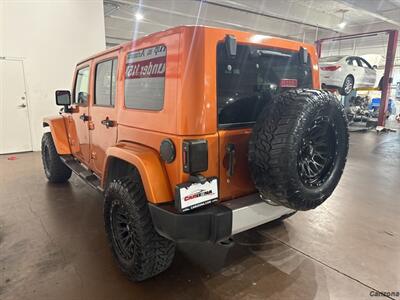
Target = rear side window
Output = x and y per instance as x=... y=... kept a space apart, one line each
x=352 y=62
x=255 y=74
x=145 y=78
x=105 y=84
x=82 y=86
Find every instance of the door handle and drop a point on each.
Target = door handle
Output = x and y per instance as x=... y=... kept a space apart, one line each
x=108 y=123
x=23 y=105
x=84 y=117
x=230 y=152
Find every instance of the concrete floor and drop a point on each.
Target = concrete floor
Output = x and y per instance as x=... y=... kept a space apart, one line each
x=53 y=246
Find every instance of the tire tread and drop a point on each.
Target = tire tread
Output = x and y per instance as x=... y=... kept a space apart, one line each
x=56 y=171
x=272 y=143
x=153 y=253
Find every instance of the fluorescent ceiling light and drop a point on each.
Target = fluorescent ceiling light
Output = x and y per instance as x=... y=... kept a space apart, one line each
x=257 y=38
x=342 y=25
x=138 y=16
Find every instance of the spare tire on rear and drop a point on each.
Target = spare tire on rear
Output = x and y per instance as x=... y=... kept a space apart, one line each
x=298 y=148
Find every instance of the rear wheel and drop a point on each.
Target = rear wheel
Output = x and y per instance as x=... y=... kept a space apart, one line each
x=298 y=148
x=348 y=86
x=139 y=250
x=56 y=171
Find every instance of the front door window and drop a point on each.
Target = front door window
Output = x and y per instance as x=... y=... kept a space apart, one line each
x=82 y=86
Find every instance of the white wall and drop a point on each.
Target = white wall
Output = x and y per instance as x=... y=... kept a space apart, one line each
x=51 y=37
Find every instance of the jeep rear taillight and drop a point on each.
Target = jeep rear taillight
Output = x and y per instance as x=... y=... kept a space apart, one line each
x=195 y=156
x=330 y=68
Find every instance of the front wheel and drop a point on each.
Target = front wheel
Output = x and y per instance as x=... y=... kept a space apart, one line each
x=56 y=171
x=139 y=250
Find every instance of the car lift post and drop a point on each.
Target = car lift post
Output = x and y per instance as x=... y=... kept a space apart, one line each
x=387 y=77
x=390 y=57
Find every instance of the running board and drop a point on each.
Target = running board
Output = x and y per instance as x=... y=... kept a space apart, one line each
x=85 y=174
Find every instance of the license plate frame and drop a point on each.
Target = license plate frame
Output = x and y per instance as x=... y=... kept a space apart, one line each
x=189 y=195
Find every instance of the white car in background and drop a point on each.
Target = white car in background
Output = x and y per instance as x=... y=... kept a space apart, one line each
x=346 y=73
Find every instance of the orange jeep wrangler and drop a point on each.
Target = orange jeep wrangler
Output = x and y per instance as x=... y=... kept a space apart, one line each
x=196 y=134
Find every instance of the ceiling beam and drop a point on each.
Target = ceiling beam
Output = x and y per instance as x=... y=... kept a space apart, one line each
x=177 y=13
x=350 y=3
x=271 y=16
x=224 y=23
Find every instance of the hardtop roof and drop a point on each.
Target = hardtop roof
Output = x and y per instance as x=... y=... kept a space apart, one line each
x=175 y=30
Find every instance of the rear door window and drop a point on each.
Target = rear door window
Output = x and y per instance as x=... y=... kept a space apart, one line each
x=145 y=78
x=247 y=81
x=105 y=83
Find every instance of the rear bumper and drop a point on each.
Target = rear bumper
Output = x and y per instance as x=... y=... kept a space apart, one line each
x=329 y=82
x=216 y=222
x=330 y=79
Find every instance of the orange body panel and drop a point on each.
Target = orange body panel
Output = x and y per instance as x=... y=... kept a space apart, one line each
x=240 y=183
x=78 y=131
x=145 y=119
x=59 y=133
x=102 y=138
x=174 y=169
x=189 y=112
x=148 y=163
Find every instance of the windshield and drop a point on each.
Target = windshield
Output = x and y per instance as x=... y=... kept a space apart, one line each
x=330 y=58
x=254 y=75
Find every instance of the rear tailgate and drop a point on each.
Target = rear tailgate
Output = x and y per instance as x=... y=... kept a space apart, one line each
x=239 y=182
x=245 y=85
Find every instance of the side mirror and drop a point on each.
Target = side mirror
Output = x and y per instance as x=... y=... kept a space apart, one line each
x=230 y=45
x=303 y=56
x=63 y=98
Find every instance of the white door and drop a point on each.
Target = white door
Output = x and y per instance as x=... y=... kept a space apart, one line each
x=355 y=70
x=15 y=133
x=359 y=74
x=370 y=73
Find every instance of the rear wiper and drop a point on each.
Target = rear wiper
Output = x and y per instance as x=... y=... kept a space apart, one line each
x=275 y=53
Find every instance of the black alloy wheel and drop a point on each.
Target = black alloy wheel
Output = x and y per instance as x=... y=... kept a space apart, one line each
x=123 y=235
x=317 y=153
x=138 y=249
